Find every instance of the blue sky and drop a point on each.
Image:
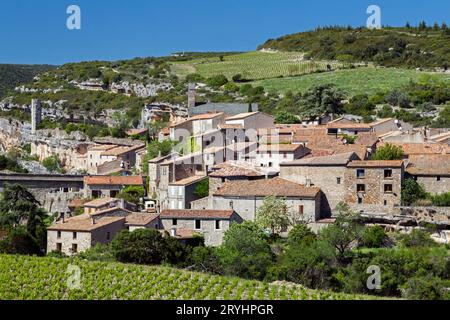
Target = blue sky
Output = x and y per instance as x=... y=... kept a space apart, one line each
x=34 y=31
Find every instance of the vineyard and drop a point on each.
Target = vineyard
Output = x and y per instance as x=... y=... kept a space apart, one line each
x=254 y=65
x=368 y=80
x=25 y=278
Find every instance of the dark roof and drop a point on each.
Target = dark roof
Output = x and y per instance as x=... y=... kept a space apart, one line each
x=268 y=187
x=230 y=109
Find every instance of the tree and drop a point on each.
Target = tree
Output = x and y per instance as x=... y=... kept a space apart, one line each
x=273 y=214
x=53 y=164
x=344 y=232
x=322 y=99
x=206 y=260
x=412 y=191
x=398 y=98
x=245 y=251
x=202 y=189
x=284 y=117
x=417 y=238
x=388 y=152
x=373 y=237
x=132 y=194
x=146 y=246
x=217 y=81
x=301 y=234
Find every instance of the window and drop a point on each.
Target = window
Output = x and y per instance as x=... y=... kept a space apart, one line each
x=59 y=247
x=174 y=222
x=360 y=200
x=270 y=164
x=385 y=202
x=223 y=180
x=58 y=235
x=360 y=173
x=301 y=209
x=388 y=188
x=74 y=248
x=387 y=174
x=338 y=180
x=438 y=178
x=198 y=224
x=361 y=188
x=270 y=154
x=108 y=236
x=218 y=225
x=74 y=235
x=285 y=155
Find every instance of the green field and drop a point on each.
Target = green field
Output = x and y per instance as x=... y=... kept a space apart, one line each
x=26 y=278
x=368 y=80
x=253 y=65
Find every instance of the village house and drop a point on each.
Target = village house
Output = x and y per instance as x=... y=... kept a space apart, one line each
x=431 y=171
x=374 y=186
x=211 y=224
x=324 y=172
x=272 y=155
x=105 y=203
x=182 y=192
x=383 y=126
x=109 y=186
x=136 y=221
x=246 y=196
x=347 y=127
x=77 y=234
x=118 y=159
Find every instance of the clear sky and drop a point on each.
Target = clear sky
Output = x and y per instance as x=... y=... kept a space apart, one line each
x=34 y=31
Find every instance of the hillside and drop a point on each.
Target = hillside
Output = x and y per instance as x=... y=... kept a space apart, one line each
x=254 y=65
x=14 y=75
x=32 y=278
x=352 y=81
x=390 y=47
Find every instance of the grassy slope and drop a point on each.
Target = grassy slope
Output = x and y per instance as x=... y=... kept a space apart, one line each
x=27 y=278
x=354 y=81
x=252 y=65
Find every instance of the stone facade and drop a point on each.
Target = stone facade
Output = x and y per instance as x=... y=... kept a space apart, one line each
x=434 y=184
x=375 y=190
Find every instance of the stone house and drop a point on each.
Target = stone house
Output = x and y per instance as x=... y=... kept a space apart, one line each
x=212 y=224
x=383 y=126
x=182 y=192
x=109 y=186
x=136 y=221
x=77 y=234
x=374 y=186
x=272 y=155
x=105 y=203
x=118 y=158
x=244 y=127
x=430 y=170
x=154 y=174
x=246 y=196
x=350 y=128
x=324 y=172
x=94 y=156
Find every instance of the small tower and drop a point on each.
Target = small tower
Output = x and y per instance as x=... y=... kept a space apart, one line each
x=191 y=95
x=36 y=114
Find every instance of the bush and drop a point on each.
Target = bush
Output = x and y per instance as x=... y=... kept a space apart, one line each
x=53 y=164
x=99 y=252
x=206 y=260
x=417 y=238
x=245 y=251
x=301 y=234
x=426 y=288
x=146 y=246
x=217 y=81
x=373 y=237
x=441 y=200
x=412 y=192
x=388 y=152
x=19 y=241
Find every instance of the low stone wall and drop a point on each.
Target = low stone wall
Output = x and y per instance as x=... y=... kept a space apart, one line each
x=440 y=215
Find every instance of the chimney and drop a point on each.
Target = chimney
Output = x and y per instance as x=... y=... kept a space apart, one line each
x=93 y=220
x=308 y=183
x=62 y=217
x=173 y=232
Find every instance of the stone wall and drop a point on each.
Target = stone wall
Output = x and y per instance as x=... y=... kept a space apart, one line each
x=433 y=185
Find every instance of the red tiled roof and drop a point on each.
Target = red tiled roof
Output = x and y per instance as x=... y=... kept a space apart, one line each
x=140 y=219
x=84 y=223
x=196 y=214
x=206 y=116
x=114 y=180
x=267 y=187
x=279 y=147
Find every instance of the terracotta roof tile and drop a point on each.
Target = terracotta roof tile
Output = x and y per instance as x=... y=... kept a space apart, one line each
x=196 y=214
x=242 y=116
x=423 y=148
x=188 y=181
x=140 y=219
x=331 y=160
x=279 y=147
x=376 y=164
x=84 y=224
x=430 y=164
x=114 y=180
x=267 y=187
x=100 y=202
x=206 y=116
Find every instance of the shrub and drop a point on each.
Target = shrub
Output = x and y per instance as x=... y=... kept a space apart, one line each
x=373 y=237
x=301 y=234
x=217 y=81
x=206 y=260
x=388 y=152
x=441 y=200
x=417 y=238
x=412 y=192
